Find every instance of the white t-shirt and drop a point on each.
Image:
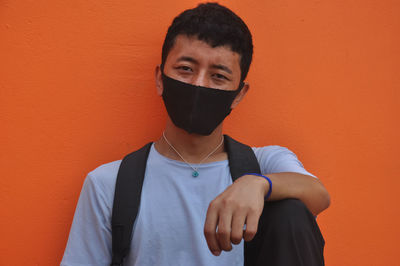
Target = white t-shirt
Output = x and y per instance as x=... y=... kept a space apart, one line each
x=169 y=227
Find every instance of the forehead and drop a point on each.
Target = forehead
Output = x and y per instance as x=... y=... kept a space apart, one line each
x=204 y=53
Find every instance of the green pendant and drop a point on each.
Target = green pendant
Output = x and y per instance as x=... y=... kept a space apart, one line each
x=195 y=174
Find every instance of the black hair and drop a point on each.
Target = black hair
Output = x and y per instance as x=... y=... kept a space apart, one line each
x=217 y=26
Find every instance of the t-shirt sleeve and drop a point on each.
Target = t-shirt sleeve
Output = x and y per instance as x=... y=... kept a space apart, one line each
x=89 y=241
x=277 y=159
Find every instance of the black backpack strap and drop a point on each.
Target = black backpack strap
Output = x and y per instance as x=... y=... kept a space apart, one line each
x=242 y=159
x=128 y=190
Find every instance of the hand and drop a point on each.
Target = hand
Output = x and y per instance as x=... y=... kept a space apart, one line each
x=241 y=203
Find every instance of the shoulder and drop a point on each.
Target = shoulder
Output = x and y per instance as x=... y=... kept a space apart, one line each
x=271 y=150
x=273 y=153
x=275 y=159
x=103 y=178
x=105 y=173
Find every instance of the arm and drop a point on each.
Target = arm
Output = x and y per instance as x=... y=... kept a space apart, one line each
x=243 y=201
x=290 y=179
x=89 y=241
x=308 y=189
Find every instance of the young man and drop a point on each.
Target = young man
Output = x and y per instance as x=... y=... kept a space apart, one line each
x=190 y=211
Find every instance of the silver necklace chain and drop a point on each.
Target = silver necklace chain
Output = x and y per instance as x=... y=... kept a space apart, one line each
x=195 y=169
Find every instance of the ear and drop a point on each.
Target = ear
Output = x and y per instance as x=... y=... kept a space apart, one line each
x=241 y=94
x=158 y=78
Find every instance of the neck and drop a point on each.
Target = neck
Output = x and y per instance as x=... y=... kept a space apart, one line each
x=192 y=147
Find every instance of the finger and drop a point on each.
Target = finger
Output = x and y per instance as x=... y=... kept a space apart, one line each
x=251 y=225
x=238 y=221
x=224 y=230
x=210 y=227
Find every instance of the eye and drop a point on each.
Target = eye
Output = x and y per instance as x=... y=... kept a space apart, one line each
x=220 y=76
x=184 y=68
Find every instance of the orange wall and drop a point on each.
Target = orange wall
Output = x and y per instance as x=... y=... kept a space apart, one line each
x=77 y=91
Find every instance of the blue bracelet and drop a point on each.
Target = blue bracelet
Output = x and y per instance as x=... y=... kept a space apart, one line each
x=269 y=181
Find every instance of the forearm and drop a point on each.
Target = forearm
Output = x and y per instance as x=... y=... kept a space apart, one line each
x=306 y=188
x=243 y=202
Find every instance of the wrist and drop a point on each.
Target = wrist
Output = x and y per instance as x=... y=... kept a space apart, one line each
x=266 y=182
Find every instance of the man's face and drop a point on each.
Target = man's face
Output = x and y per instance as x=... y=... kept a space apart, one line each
x=196 y=62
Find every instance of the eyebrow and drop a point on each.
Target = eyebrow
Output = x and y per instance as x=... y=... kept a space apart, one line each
x=194 y=61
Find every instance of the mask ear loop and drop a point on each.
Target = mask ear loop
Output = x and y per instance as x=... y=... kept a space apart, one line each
x=241 y=85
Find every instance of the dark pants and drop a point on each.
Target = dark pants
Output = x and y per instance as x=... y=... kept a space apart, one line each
x=287 y=235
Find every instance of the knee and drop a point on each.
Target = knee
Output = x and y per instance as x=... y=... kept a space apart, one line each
x=289 y=229
x=287 y=208
x=287 y=213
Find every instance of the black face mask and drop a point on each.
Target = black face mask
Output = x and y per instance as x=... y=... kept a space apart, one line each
x=196 y=109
